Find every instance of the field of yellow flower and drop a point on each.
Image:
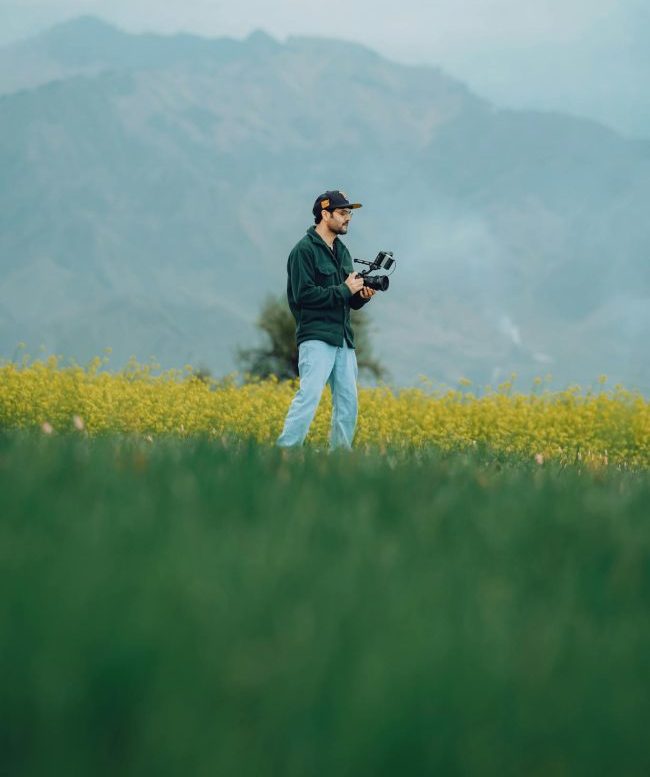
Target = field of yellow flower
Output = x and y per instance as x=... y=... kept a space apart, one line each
x=597 y=428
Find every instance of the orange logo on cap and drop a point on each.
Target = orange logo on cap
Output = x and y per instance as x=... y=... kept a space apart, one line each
x=325 y=204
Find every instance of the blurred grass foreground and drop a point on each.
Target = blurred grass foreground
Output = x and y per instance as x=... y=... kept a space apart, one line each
x=189 y=606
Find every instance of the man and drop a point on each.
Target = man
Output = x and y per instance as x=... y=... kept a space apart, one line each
x=321 y=288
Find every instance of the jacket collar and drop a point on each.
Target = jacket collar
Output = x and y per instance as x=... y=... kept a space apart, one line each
x=316 y=238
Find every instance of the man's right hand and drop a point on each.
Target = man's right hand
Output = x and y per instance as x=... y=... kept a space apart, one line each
x=354 y=282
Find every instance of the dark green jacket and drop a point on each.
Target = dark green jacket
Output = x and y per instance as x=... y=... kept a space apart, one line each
x=318 y=297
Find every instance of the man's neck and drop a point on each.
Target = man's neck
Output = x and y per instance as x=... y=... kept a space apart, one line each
x=327 y=235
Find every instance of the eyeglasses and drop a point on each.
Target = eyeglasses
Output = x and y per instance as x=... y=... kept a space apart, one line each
x=342 y=211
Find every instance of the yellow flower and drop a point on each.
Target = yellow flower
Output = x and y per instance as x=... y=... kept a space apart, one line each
x=611 y=427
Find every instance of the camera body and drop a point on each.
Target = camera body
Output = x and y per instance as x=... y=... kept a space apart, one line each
x=383 y=261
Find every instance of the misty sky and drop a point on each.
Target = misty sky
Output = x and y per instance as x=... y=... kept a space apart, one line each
x=588 y=57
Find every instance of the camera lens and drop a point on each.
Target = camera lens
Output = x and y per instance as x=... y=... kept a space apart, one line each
x=376 y=282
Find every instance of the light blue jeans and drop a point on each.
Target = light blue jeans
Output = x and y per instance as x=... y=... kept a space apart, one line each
x=318 y=364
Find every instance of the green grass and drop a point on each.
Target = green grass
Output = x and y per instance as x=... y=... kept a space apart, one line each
x=190 y=608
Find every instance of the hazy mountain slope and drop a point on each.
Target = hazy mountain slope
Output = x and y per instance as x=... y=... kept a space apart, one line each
x=150 y=196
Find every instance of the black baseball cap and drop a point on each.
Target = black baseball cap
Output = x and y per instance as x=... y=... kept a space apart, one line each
x=332 y=200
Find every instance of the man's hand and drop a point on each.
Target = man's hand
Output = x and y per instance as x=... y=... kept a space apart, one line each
x=366 y=293
x=354 y=282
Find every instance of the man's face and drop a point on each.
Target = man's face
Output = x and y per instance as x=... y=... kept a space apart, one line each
x=338 y=220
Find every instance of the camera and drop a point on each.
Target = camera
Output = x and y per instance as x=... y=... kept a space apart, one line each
x=383 y=261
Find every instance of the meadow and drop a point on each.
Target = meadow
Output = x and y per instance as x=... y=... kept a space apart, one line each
x=178 y=597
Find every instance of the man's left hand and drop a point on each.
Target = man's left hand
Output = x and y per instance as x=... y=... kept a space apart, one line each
x=366 y=293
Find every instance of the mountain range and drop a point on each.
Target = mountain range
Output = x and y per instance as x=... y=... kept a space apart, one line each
x=153 y=186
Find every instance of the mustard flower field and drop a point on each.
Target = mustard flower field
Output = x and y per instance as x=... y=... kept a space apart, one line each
x=598 y=428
